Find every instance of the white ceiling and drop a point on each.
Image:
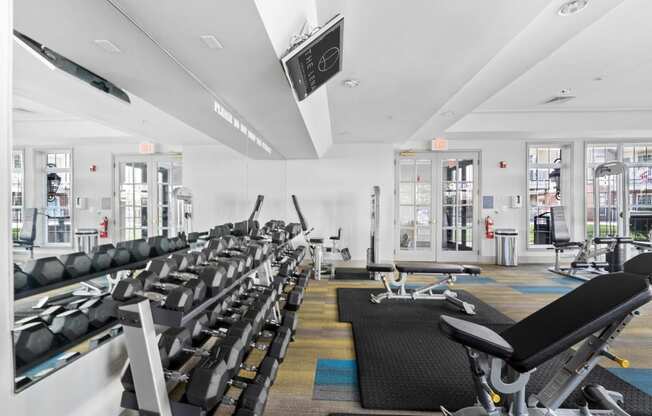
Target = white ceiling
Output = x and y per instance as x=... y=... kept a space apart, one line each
x=608 y=66
x=411 y=57
x=245 y=75
x=426 y=67
x=53 y=106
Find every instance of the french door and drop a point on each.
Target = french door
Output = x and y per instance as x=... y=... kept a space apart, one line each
x=437 y=206
x=144 y=190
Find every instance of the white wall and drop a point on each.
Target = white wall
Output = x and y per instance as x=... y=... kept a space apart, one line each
x=91 y=185
x=6 y=285
x=333 y=191
x=503 y=183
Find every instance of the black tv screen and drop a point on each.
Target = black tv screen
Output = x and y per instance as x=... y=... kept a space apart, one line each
x=316 y=60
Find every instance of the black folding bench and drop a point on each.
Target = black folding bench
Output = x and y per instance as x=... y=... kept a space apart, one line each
x=395 y=289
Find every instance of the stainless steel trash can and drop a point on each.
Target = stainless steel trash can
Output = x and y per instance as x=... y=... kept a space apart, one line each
x=507 y=247
x=86 y=239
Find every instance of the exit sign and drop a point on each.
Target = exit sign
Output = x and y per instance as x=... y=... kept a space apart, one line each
x=439 y=144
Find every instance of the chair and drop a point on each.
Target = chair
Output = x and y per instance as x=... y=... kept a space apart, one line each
x=27 y=234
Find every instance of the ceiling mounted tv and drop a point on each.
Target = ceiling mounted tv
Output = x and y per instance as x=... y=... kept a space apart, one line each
x=315 y=60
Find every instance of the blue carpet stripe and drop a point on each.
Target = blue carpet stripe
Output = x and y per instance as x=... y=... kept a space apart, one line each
x=557 y=290
x=336 y=372
x=639 y=377
x=336 y=364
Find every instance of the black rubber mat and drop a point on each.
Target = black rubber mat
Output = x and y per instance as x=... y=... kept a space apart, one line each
x=351 y=273
x=354 y=305
x=413 y=366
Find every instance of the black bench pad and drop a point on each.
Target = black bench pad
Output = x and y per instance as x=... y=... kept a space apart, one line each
x=429 y=268
x=380 y=267
x=470 y=269
x=475 y=336
x=576 y=315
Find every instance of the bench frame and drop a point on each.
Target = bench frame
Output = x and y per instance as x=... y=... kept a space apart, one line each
x=489 y=375
x=422 y=293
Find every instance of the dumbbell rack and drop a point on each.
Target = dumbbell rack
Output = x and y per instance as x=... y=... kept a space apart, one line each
x=139 y=320
x=68 y=282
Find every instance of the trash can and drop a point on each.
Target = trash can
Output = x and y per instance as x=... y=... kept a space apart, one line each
x=507 y=247
x=86 y=239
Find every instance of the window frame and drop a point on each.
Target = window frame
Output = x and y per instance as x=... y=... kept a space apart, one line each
x=44 y=171
x=14 y=171
x=569 y=195
x=620 y=145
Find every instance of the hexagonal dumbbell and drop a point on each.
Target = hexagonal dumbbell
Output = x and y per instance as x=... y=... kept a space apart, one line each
x=44 y=271
x=32 y=340
x=76 y=264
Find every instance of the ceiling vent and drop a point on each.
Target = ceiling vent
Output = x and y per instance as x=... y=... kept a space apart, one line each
x=559 y=99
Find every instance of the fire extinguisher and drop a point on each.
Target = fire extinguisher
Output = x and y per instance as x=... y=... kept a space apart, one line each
x=104 y=227
x=489 y=227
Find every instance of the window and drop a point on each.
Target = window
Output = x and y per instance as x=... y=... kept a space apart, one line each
x=58 y=196
x=639 y=159
x=17 y=191
x=595 y=155
x=544 y=189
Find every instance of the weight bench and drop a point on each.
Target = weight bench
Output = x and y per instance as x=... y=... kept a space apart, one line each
x=426 y=292
x=503 y=363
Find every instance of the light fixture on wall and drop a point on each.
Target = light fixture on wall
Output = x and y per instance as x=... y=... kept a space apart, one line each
x=572 y=7
x=351 y=83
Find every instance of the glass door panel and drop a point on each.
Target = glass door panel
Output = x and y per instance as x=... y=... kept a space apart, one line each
x=415 y=208
x=458 y=216
x=133 y=200
x=58 y=207
x=436 y=215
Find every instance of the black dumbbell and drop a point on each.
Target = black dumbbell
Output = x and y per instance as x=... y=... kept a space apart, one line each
x=32 y=340
x=138 y=249
x=69 y=325
x=101 y=260
x=151 y=281
x=44 y=271
x=159 y=246
x=208 y=382
x=97 y=310
x=118 y=256
x=76 y=264
x=177 y=298
x=213 y=277
x=21 y=280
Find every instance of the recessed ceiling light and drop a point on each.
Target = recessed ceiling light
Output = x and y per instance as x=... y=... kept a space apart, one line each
x=572 y=7
x=351 y=83
x=107 y=45
x=211 y=42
